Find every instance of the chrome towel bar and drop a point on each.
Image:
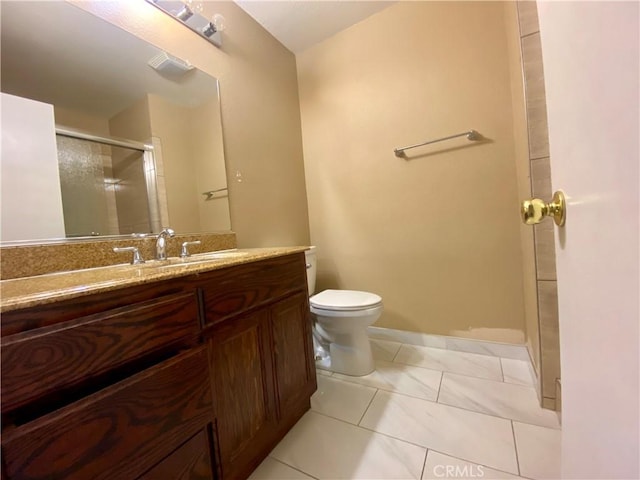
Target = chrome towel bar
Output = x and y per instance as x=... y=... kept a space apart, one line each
x=210 y=193
x=471 y=135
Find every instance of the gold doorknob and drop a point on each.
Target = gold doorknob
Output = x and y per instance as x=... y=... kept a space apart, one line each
x=534 y=210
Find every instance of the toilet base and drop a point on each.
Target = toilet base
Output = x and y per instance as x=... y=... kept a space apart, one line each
x=349 y=355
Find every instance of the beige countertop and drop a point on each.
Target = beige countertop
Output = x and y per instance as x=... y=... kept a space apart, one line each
x=43 y=289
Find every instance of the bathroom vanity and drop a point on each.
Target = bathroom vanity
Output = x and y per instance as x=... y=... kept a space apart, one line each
x=187 y=371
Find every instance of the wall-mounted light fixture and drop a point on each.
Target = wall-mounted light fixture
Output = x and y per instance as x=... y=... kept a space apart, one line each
x=190 y=13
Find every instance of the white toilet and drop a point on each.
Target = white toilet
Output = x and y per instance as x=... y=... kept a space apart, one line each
x=341 y=321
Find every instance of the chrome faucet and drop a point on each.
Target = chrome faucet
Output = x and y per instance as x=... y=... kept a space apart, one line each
x=161 y=243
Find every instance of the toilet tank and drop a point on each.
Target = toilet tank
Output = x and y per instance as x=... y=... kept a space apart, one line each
x=310 y=257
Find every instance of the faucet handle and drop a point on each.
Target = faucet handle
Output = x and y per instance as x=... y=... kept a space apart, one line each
x=185 y=251
x=137 y=258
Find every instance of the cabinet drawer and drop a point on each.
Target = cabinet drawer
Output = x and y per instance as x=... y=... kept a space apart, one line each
x=41 y=361
x=251 y=285
x=120 y=432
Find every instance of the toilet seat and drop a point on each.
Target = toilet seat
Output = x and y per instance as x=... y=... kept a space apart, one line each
x=345 y=301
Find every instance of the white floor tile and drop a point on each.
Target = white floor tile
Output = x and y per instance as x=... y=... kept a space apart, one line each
x=473 y=436
x=323 y=372
x=482 y=366
x=384 y=350
x=342 y=400
x=538 y=451
x=271 y=469
x=440 y=466
x=396 y=377
x=516 y=402
x=517 y=371
x=326 y=448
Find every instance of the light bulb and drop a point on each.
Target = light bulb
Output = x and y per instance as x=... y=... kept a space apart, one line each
x=194 y=5
x=184 y=14
x=219 y=22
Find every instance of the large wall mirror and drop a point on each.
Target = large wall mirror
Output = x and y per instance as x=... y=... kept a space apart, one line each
x=137 y=135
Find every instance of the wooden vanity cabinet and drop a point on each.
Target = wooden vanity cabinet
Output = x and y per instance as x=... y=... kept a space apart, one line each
x=262 y=367
x=110 y=385
x=196 y=377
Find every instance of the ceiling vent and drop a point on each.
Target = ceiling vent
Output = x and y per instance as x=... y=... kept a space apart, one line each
x=169 y=65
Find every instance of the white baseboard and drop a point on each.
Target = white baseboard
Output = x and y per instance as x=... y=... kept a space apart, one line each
x=494 y=349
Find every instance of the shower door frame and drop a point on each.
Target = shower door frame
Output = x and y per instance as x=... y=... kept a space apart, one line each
x=149 y=167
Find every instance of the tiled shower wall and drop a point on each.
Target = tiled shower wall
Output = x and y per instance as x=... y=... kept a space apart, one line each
x=536 y=109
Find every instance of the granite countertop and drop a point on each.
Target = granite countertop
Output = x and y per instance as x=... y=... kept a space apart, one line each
x=43 y=289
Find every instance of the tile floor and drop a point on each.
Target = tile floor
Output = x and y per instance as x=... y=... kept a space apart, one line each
x=425 y=413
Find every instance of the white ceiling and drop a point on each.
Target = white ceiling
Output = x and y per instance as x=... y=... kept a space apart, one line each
x=299 y=24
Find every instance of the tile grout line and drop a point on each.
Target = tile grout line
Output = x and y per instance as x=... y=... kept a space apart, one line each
x=424 y=464
x=370 y=430
x=498 y=416
x=515 y=446
x=439 y=386
x=531 y=385
x=544 y=156
x=460 y=408
x=434 y=450
x=382 y=389
x=294 y=468
x=449 y=405
x=368 y=405
x=501 y=369
x=475 y=463
x=491 y=380
x=397 y=352
x=447 y=371
x=402 y=440
x=530 y=34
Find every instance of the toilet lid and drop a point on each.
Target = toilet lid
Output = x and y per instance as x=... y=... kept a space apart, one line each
x=345 y=300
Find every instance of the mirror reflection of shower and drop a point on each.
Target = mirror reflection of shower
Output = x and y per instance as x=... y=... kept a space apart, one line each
x=107 y=189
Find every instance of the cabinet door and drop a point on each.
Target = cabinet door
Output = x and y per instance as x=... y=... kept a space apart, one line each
x=293 y=353
x=244 y=399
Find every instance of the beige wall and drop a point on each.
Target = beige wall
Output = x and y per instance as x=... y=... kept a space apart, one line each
x=260 y=113
x=179 y=167
x=67 y=117
x=437 y=235
x=208 y=156
x=133 y=123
